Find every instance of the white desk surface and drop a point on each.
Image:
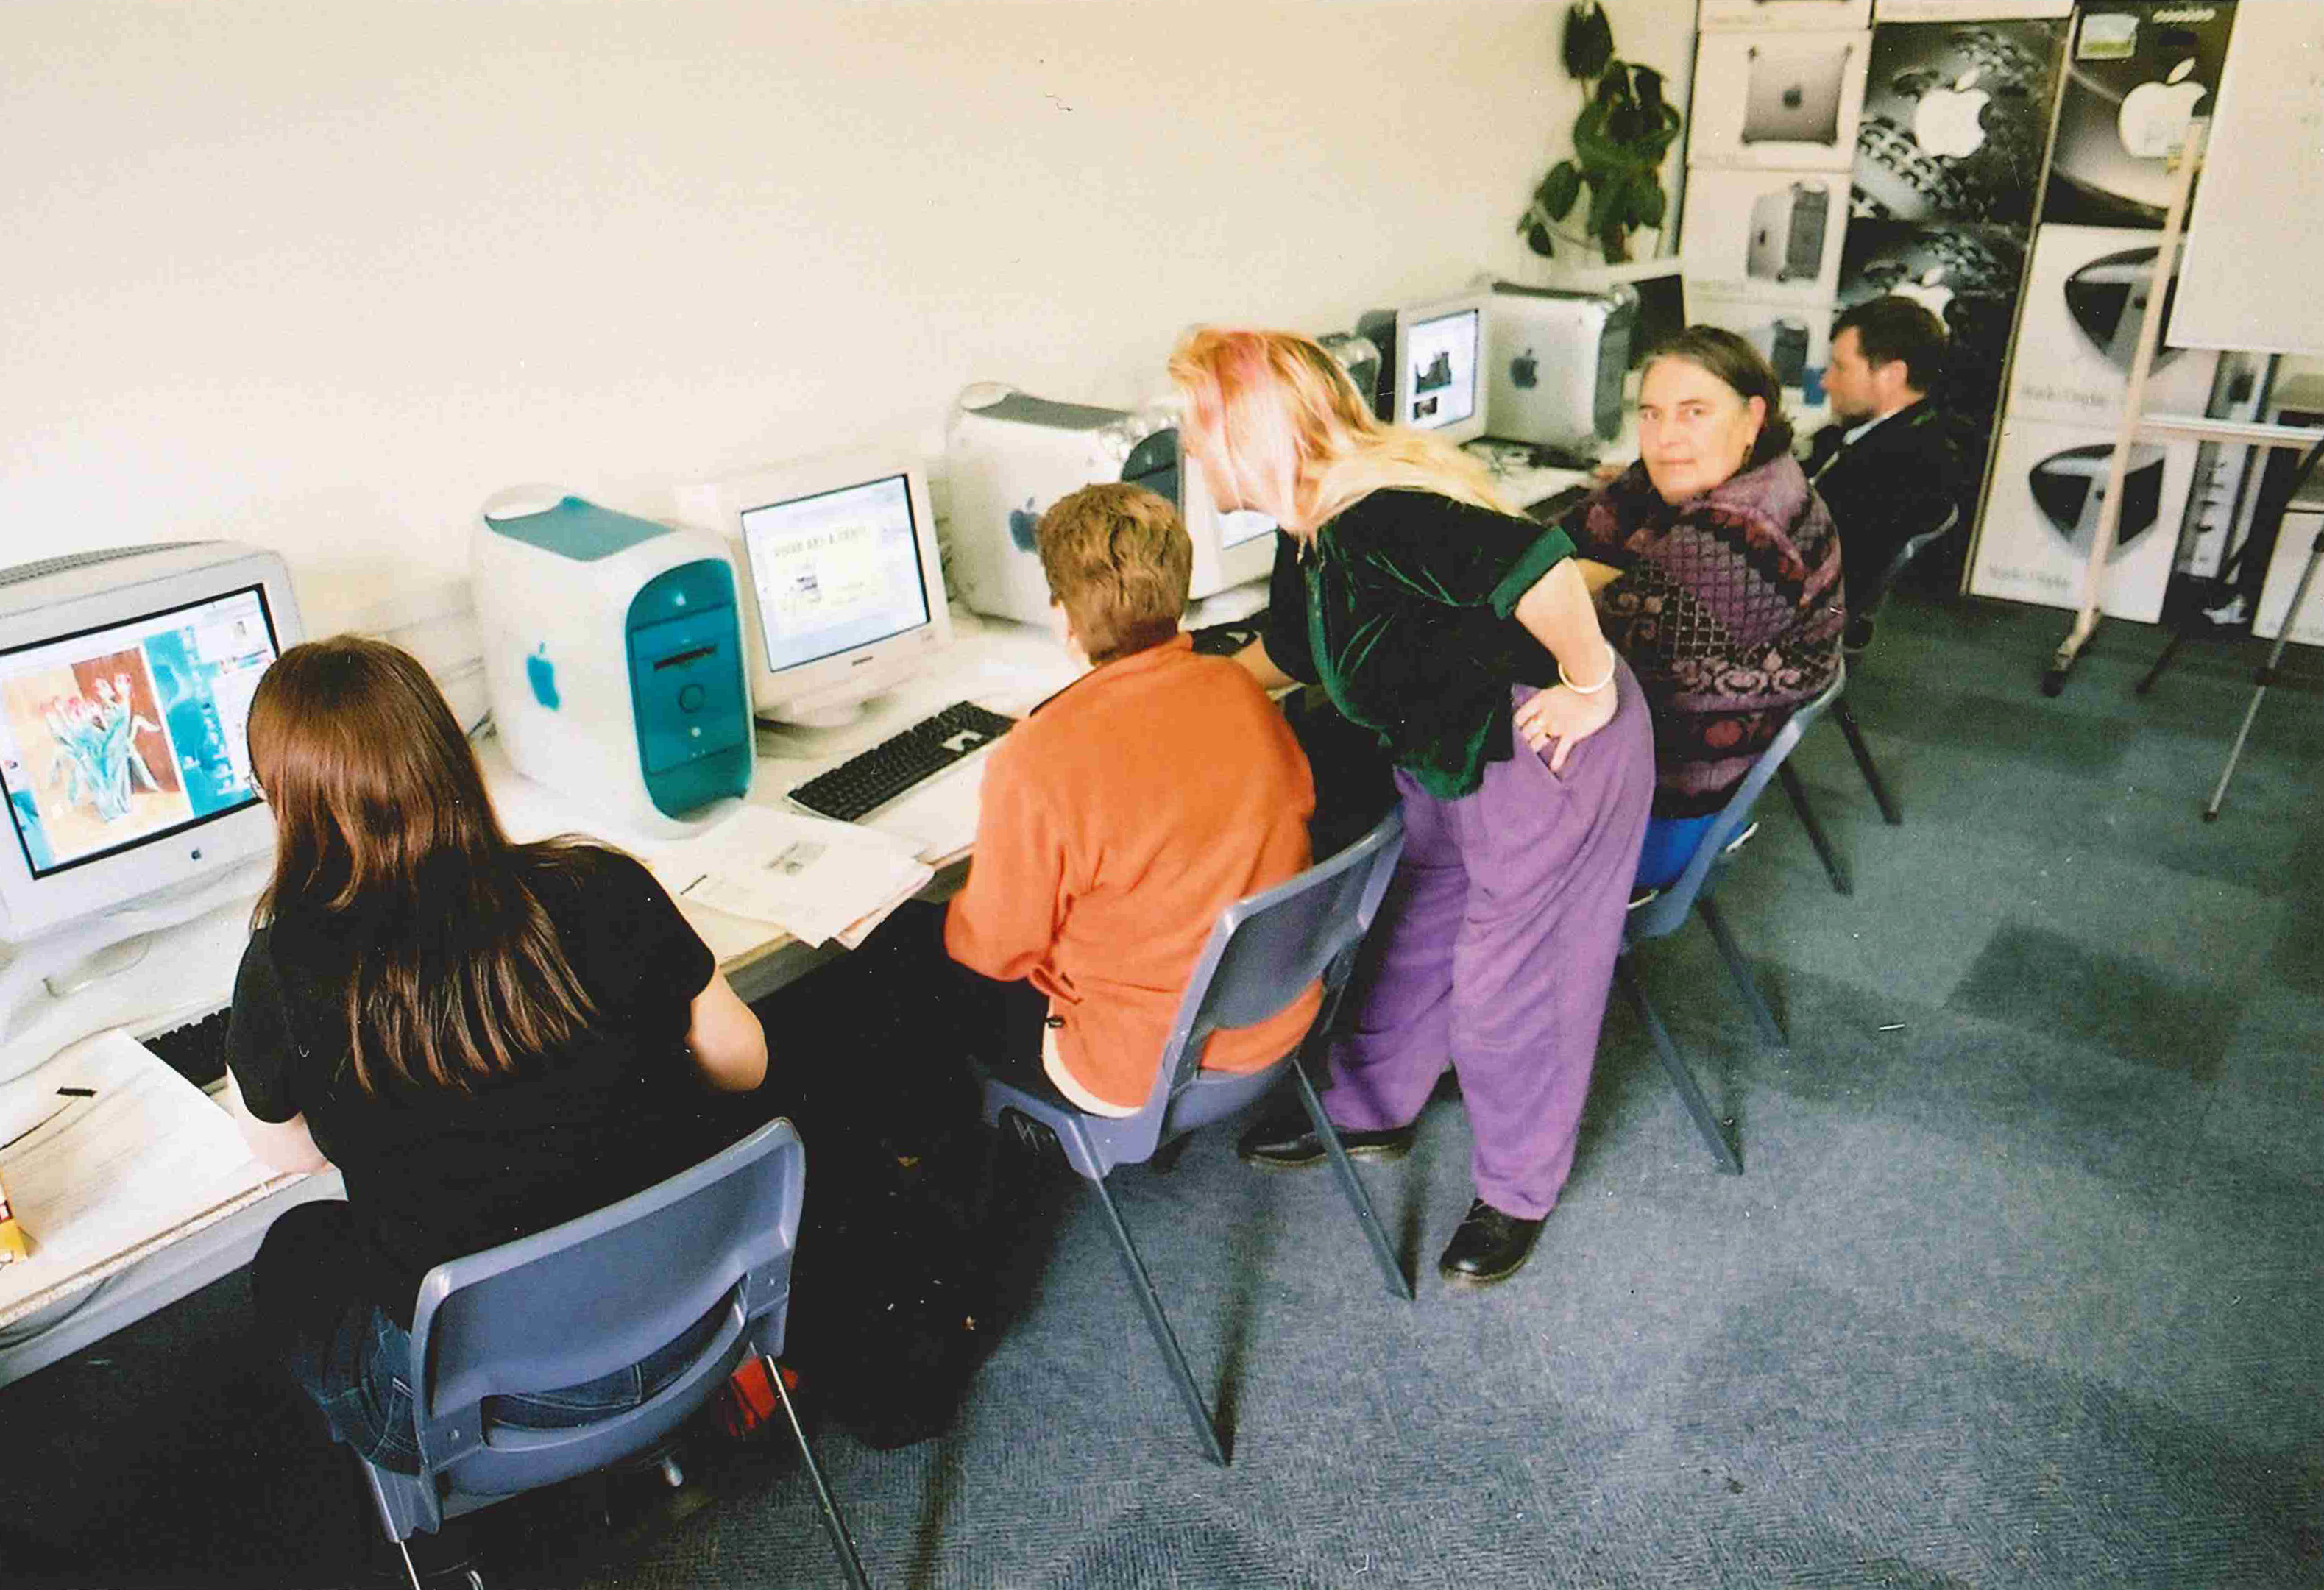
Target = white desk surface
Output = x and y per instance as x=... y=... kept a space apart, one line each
x=1007 y=667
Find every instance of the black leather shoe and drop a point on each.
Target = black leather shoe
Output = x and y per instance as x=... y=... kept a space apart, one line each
x=1491 y=1245
x=1290 y=1143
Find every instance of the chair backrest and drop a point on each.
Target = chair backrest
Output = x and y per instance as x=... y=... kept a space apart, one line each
x=1912 y=548
x=1668 y=909
x=1262 y=953
x=594 y=1295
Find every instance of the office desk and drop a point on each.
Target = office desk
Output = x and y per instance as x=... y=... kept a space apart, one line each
x=1006 y=666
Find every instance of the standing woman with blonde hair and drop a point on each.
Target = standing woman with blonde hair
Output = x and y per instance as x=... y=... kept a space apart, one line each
x=1429 y=612
x=487 y=1038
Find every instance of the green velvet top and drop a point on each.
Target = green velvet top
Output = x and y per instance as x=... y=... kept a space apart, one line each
x=1400 y=610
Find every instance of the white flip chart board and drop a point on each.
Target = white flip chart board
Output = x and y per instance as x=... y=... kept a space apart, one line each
x=2255 y=235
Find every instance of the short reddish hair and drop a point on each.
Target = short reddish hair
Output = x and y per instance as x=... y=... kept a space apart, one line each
x=1119 y=561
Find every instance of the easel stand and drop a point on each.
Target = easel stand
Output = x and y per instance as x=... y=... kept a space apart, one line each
x=2265 y=674
x=2150 y=328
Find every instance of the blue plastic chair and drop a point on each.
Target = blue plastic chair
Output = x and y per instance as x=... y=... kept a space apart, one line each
x=588 y=1297
x=1842 y=715
x=1663 y=913
x=1261 y=955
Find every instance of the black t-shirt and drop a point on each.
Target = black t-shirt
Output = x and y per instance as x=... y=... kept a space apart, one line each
x=433 y=1174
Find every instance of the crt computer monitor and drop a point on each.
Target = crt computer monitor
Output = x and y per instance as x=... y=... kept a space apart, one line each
x=1441 y=359
x=846 y=597
x=126 y=679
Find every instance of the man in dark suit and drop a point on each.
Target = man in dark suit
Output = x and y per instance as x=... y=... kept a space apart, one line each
x=1888 y=465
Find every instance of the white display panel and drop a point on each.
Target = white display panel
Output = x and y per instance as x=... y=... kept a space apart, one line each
x=2085 y=295
x=2040 y=519
x=1437 y=387
x=1781 y=101
x=118 y=736
x=1772 y=235
x=2301 y=527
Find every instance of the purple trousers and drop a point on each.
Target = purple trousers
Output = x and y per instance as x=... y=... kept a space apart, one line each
x=1494 y=951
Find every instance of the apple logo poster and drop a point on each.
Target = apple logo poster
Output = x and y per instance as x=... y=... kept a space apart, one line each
x=1955 y=115
x=2137 y=72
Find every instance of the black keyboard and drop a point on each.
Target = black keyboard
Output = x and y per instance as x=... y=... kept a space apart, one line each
x=870 y=779
x=197 y=1051
x=1552 y=509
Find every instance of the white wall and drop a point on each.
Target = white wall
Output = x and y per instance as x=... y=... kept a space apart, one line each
x=323 y=274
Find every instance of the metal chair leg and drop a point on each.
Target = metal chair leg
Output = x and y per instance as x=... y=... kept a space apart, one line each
x=1740 y=970
x=1398 y=1282
x=1864 y=765
x=1142 y=1285
x=841 y=1542
x=1674 y=1066
x=1834 y=869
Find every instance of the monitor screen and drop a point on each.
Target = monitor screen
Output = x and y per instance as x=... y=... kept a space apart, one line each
x=1439 y=357
x=117 y=736
x=835 y=570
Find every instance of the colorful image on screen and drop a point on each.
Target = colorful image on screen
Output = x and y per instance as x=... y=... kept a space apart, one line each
x=1442 y=354
x=117 y=736
x=835 y=570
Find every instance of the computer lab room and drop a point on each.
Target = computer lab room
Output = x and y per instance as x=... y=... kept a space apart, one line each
x=1119 y=793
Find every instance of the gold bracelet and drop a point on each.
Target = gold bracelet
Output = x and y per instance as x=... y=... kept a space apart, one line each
x=1613 y=664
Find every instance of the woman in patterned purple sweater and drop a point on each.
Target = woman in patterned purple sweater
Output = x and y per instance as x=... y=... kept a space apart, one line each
x=1716 y=572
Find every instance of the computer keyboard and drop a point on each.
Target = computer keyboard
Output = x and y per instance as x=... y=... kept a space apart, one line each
x=196 y=1051
x=871 y=778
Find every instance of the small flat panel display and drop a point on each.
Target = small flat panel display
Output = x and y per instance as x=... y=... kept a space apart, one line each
x=835 y=570
x=1440 y=376
x=115 y=737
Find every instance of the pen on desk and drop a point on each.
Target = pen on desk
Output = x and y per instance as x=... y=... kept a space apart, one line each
x=76 y=1092
x=689 y=888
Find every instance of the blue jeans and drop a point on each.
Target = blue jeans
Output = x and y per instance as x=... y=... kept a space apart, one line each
x=1671 y=844
x=355 y=1363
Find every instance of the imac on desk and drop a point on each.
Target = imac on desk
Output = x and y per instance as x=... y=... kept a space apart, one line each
x=846 y=597
x=125 y=680
x=1009 y=455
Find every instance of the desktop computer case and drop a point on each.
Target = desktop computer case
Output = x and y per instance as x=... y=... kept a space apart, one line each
x=1558 y=361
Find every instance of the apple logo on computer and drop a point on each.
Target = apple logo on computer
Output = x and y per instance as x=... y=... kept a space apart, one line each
x=2154 y=117
x=1021 y=521
x=1949 y=122
x=542 y=674
x=1524 y=370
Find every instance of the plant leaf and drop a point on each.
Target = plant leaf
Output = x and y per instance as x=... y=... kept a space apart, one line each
x=1560 y=189
x=1649 y=205
x=1536 y=236
x=1588 y=42
x=1607 y=201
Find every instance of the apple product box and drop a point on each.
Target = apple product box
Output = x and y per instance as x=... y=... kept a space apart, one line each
x=1769 y=16
x=2084 y=297
x=1955 y=118
x=1779 y=101
x=1792 y=337
x=1772 y=235
x=2048 y=484
x=2303 y=524
x=2138 y=72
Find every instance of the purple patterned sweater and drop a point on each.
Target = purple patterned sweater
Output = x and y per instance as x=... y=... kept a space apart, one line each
x=1729 y=610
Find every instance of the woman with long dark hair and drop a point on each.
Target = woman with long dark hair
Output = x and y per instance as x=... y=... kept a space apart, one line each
x=486 y=1038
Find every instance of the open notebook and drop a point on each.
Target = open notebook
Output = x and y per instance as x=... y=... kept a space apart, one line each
x=108 y=1155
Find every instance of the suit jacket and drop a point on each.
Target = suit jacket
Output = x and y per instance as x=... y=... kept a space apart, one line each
x=1895 y=481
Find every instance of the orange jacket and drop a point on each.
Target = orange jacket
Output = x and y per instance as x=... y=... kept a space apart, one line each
x=1117 y=823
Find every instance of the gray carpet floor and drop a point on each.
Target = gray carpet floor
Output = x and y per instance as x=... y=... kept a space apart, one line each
x=2019 y=1286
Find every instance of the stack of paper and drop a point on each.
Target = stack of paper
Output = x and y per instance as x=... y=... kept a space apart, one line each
x=813 y=878
x=107 y=1152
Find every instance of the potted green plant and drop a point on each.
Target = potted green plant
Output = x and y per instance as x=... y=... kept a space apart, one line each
x=1625 y=128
